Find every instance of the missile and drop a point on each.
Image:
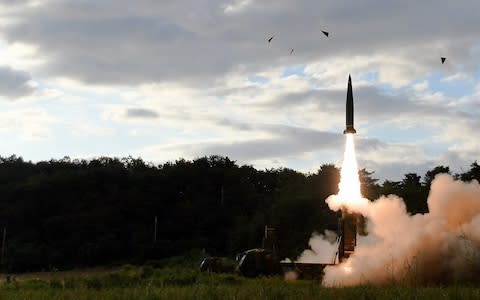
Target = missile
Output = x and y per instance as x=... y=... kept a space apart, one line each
x=349 y=115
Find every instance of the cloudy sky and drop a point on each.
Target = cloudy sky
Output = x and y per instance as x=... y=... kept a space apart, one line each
x=187 y=78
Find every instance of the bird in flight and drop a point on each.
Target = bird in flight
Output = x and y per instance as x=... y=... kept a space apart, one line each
x=443 y=59
x=270 y=39
x=325 y=33
x=291 y=51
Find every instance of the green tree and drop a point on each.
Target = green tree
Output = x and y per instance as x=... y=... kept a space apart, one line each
x=368 y=185
x=414 y=194
x=473 y=173
x=430 y=175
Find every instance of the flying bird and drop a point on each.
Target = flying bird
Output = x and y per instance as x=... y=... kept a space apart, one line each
x=443 y=59
x=270 y=39
x=291 y=51
x=325 y=33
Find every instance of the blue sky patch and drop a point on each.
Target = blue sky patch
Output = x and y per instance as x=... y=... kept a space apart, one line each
x=257 y=79
x=454 y=88
x=298 y=70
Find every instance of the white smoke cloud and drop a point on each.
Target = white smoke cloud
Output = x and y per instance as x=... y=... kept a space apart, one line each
x=336 y=202
x=442 y=246
x=323 y=249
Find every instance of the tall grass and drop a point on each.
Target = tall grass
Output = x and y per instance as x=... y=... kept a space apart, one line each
x=151 y=283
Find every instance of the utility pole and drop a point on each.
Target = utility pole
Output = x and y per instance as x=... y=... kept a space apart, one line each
x=3 y=245
x=222 y=195
x=155 y=231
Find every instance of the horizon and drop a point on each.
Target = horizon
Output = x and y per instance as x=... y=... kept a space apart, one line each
x=372 y=173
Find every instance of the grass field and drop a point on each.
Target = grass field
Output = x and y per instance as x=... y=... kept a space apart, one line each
x=147 y=282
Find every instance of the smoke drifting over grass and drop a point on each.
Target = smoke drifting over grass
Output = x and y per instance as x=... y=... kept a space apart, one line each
x=442 y=246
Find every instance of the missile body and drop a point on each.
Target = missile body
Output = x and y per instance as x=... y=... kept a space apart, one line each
x=349 y=116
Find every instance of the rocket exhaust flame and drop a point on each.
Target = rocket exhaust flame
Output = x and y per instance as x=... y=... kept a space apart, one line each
x=349 y=186
x=349 y=196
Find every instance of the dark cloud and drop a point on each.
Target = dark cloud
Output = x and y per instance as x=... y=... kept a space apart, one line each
x=292 y=141
x=326 y=100
x=365 y=144
x=236 y=125
x=14 y=84
x=286 y=141
x=141 y=113
x=371 y=105
x=114 y=42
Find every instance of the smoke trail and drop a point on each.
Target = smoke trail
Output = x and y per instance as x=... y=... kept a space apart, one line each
x=442 y=246
x=322 y=249
x=349 y=186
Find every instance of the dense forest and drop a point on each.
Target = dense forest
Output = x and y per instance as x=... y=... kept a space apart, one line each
x=71 y=213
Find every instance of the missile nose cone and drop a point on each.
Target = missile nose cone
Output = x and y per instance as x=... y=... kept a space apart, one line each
x=349 y=109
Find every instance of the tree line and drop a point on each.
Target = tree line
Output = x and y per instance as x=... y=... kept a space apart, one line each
x=74 y=213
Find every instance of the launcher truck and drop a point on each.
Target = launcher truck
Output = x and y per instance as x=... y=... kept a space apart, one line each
x=264 y=261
